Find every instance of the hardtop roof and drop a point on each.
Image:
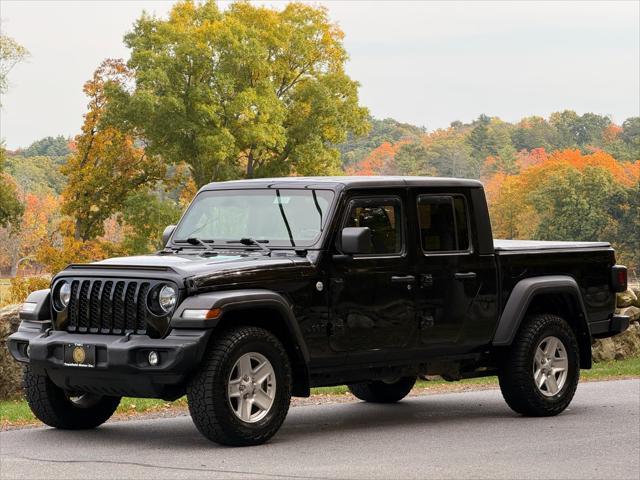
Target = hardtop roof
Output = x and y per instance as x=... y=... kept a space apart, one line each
x=344 y=182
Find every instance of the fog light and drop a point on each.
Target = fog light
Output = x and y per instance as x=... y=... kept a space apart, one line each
x=28 y=351
x=153 y=358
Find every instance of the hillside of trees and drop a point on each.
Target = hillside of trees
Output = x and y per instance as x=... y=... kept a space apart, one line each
x=568 y=177
x=250 y=91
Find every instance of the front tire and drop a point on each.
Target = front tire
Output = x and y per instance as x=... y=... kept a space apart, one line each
x=240 y=395
x=383 y=392
x=541 y=370
x=65 y=410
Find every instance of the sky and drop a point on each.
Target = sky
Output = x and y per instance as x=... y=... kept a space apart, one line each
x=425 y=63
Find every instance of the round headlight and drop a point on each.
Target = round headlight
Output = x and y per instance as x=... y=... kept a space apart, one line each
x=64 y=294
x=167 y=298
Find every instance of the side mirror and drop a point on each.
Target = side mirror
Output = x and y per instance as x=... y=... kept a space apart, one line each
x=356 y=240
x=166 y=235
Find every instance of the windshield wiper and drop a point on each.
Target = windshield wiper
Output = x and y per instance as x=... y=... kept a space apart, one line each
x=252 y=241
x=196 y=241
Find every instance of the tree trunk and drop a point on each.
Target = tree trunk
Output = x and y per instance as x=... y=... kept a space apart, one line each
x=250 y=164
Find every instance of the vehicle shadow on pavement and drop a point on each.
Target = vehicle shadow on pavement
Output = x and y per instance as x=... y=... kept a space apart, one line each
x=308 y=423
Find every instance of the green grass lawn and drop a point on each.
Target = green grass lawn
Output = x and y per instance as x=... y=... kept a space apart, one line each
x=17 y=412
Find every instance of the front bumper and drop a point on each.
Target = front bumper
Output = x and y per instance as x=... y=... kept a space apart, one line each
x=122 y=366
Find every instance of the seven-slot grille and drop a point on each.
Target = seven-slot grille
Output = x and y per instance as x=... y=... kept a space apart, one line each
x=108 y=306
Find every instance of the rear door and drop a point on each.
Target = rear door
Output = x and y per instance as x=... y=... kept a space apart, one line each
x=372 y=295
x=453 y=278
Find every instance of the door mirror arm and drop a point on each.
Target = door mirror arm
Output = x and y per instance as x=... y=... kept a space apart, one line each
x=342 y=258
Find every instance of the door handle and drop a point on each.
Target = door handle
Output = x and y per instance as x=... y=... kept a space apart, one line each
x=465 y=276
x=403 y=279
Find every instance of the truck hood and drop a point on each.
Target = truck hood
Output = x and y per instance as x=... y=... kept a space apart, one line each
x=196 y=265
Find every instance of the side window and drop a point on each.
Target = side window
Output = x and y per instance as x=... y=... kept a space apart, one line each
x=443 y=223
x=383 y=217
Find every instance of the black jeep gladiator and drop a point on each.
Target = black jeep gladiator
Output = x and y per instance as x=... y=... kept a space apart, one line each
x=267 y=288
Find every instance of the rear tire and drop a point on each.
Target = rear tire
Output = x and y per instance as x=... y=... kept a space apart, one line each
x=60 y=409
x=383 y=392
x=541 y=370
x=240 y=395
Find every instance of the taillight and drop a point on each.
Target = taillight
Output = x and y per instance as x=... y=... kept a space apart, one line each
x=619 y=278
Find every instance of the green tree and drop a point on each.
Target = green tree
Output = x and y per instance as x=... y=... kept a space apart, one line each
x=574 y=130
x=147 y=212
x=631 y=136
x=534 y=132
x=628 y=237
x=356 y=147
x=48 y=147
x=491 y=137
x=36 y=174
x=411 y=159
x=479 y=138
x=248 y=91
x=451 y=155
x=578 y=205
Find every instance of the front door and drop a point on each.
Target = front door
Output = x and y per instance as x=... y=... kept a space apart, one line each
x=372 y=295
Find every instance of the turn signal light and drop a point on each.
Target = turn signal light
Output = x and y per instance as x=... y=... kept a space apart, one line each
x=193 y=314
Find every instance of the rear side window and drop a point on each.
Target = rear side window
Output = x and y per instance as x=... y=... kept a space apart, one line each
x=383 y=217
x=443 y=222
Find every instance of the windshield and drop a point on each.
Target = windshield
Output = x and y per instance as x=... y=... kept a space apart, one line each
x=277 y=217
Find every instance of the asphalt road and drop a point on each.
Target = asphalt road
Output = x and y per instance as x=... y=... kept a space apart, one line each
x=456 y=435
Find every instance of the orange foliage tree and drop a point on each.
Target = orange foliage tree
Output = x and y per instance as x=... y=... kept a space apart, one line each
x=567 y=195
x=378 y=162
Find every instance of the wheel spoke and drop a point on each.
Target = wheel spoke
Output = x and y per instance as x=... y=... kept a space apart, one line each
x=552 y=346
x=539 y=357
x=234 y=388
x=560 y=363
x=542 y=380
x=552 y=385
x=245 y=410
x=262 y=372
x=538 y=377
x=262 y=400
x=244 y=365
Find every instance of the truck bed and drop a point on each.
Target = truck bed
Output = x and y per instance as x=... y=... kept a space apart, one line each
x=521 y=246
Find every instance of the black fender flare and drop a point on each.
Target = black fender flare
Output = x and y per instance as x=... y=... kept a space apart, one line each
x=520 y=299
x=234 y=300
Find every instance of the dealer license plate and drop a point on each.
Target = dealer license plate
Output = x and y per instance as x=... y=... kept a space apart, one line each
x=79 y=355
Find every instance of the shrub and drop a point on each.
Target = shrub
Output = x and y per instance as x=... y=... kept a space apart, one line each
x=21 y=287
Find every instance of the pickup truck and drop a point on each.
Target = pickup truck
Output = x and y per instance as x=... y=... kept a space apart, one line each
x=267 y=288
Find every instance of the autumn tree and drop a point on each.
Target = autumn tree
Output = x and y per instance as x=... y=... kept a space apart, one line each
x=10 y=206
x=11 y=53
x=107 y=165
x=245 y=92
x=567 y=195
x=380 y=161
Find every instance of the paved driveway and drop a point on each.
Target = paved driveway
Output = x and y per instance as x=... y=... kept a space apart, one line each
x=453 y=435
